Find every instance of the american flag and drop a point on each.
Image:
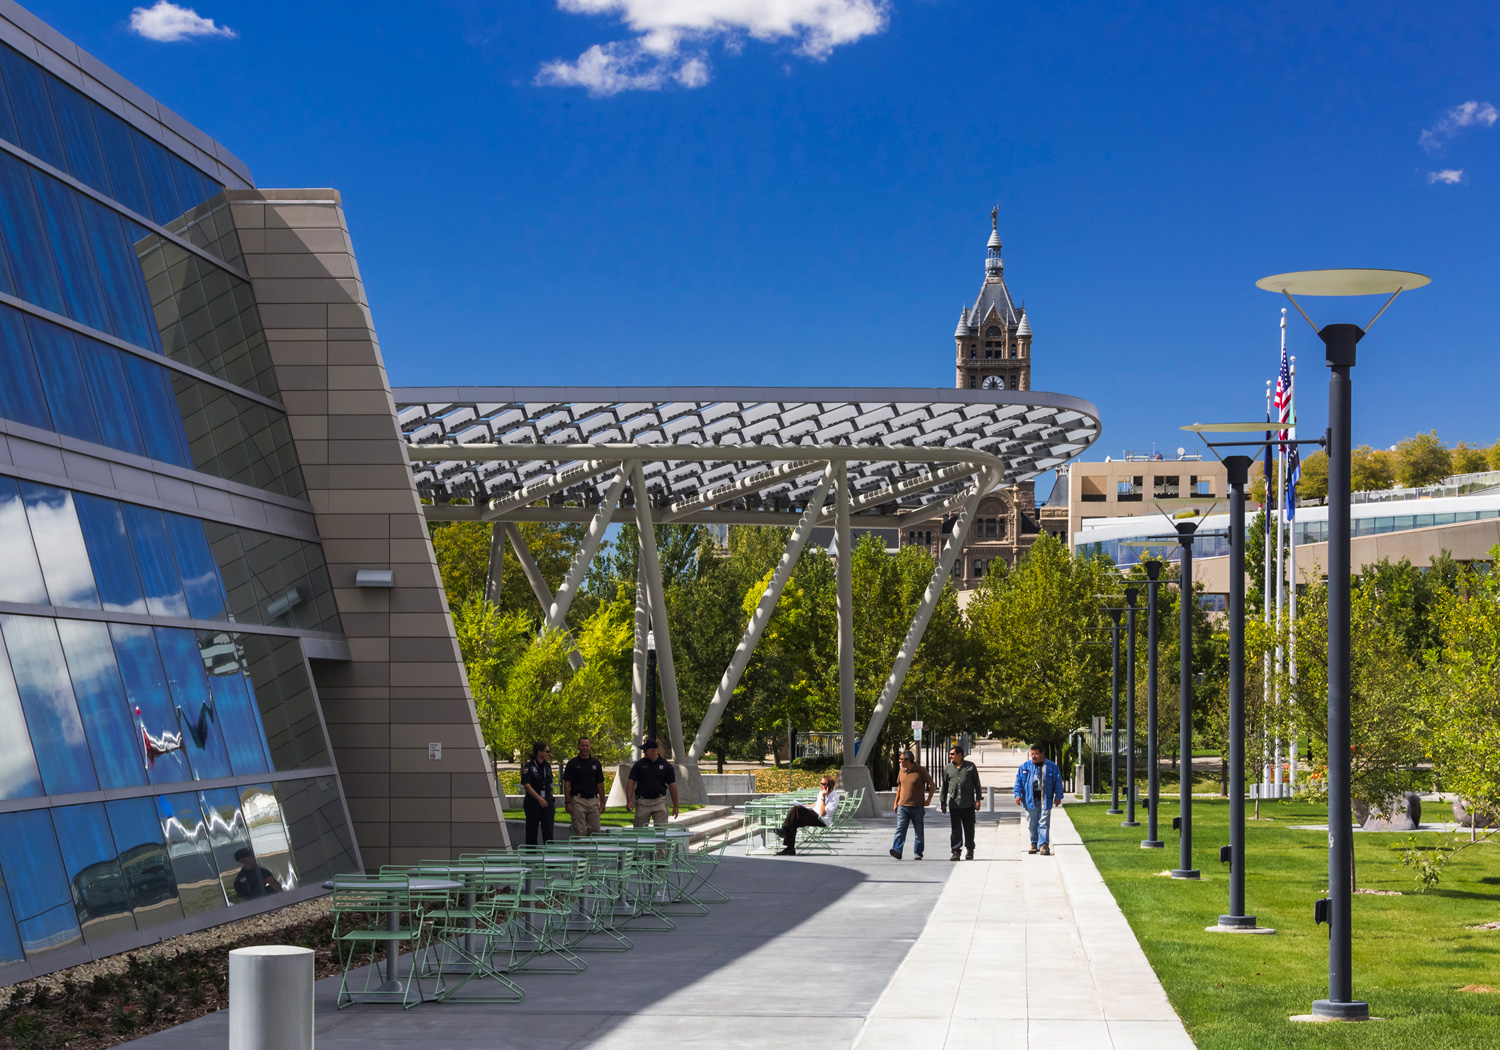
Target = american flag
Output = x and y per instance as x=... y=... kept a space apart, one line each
x=1282 y=400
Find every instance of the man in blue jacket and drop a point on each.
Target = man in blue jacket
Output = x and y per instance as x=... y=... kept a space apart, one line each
x=1039 y=787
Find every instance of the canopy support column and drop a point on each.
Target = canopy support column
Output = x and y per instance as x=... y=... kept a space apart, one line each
x=538 y=584
x=845 y=600
x=568 y=590
x=908 y=651
x=657 y=599
x=762 y=615
x=494 y=572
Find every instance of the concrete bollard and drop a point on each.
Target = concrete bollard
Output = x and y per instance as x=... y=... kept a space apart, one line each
x=271 y=998
x=990 y=792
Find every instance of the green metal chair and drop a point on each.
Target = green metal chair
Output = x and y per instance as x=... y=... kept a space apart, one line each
x=371 y=912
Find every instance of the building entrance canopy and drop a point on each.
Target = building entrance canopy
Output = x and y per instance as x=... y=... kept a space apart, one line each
x=800 y=457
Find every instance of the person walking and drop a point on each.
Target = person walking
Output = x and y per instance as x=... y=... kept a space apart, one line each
x=1039 y=787
x=652 y=778
x=960 y=800
x=538 y=800
x=583 y=784
x=914 y=788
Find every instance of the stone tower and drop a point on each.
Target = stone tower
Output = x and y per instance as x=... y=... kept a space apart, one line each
x=993 y=342
x=993 y=337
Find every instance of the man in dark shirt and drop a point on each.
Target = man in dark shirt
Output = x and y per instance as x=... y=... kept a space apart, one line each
x=652 y=778
x=583 y=780
x=536 y=782
x=253 y=881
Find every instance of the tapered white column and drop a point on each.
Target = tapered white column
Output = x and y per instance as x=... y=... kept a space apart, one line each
x=657 y=600
x=908 y=651
x=801 y=533
x=845 y=596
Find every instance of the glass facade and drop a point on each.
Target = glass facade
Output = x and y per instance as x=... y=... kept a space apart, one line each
x=162 y=756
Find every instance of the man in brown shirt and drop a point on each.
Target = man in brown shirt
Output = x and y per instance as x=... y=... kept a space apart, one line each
x=914 y=789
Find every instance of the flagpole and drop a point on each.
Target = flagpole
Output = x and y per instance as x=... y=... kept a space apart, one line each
x=1291 y=597
x=1265 y=724
x=1280 y=568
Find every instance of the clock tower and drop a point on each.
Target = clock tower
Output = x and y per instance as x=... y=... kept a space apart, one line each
x=993 y=353
x=993 y=336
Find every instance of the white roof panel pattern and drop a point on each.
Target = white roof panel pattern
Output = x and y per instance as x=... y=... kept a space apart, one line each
x=526 y=435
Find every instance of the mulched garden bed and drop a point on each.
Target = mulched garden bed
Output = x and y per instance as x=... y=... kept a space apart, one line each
x=111 y=1001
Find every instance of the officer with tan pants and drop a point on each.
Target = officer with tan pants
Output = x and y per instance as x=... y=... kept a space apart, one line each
x=652 y=778
x=583 y=779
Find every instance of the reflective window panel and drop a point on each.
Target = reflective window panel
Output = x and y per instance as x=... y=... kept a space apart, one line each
x=150 y=703
x=113 y=735
x=229 y=678
x=18 y=773
x=37 y=883
x=314 y=816
x=230 y=838
x=192 y=854
x=50 y=120
x=98 y=887
x=129 y=558
x=202 y=736
x=268 y=834
x=286 y=702
x=46 y=691
x=144 y=861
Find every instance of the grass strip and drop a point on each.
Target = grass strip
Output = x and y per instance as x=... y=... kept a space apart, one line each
x=1413 y=953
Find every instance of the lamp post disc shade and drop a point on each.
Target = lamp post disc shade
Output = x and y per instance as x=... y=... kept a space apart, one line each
x=1233 y=428
x=1344 y=282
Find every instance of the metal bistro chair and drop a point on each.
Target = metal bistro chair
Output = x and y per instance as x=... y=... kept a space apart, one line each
x=370 y=911
x=604 y=876
x=468 y=935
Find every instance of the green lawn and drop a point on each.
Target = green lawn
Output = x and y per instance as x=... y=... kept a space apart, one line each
x=1412 y=953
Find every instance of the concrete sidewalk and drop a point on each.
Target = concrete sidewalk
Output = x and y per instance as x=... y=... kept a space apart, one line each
x=1025 y=951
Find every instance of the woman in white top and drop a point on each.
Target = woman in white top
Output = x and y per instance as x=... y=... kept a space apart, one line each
x=816 y=815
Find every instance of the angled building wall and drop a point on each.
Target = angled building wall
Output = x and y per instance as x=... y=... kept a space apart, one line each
x=404 y=689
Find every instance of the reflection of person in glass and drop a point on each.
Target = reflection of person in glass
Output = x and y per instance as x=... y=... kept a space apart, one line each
x=253 y=881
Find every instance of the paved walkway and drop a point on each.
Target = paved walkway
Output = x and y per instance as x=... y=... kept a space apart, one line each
x=1007 y=951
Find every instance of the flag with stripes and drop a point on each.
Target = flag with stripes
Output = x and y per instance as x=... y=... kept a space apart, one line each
x=1281 y=401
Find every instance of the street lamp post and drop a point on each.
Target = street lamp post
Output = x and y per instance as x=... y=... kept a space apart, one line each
x=1239 y=473
x=1130 y=610
x=1153 y=772
x=1114 y=719
x=1185 y=532
x=1339 y=341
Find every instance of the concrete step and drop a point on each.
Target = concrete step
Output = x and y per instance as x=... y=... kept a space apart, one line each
x=717 y=829
x=694 y=817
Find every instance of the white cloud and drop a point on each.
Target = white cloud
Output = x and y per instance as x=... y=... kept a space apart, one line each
x=673 y=37
x=168 y=23
x=1468 y=114
x=1448 y=177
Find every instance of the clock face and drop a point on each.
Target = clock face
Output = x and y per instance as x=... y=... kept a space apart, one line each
x=994 y=383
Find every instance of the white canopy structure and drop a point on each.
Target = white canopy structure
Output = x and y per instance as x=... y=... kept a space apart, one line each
x=797 y=457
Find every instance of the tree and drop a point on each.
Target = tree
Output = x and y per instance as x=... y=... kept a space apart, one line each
x=1493 y=455
x=1469 y=459
x=1314 y=484
x=1422 y=460
x=1371 y=469
x=1036 y=630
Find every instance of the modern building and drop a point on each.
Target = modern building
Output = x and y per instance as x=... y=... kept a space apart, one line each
x=993 y=352
x=1466 y=527
x=1126 y=487
x=223 y=641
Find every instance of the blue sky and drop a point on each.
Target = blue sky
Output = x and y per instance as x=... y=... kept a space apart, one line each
x=807 y=201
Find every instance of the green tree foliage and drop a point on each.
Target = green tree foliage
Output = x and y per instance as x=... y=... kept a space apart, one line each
x=1035 y=627
x=1314 y=484
x=1464 y=705
x=1371 y=469
x=1422 y=460
x=1467 y=459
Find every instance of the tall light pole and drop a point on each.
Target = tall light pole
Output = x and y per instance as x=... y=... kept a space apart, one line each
x=1185 y=532
x=1153 y=772
x=1114 y=719
x=651 y=685
x=1239 y=474
x=1339 y=342
x=1130 y=609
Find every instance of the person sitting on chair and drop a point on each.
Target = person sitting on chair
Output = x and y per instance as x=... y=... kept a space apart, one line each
x=815 y=816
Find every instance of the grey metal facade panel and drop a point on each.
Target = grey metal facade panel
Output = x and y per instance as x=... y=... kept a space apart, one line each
x=405 y=685
x=28 y=33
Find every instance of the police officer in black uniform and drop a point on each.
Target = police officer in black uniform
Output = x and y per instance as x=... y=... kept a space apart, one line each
x=652 y=778
x=536 y=782
x=583 y=779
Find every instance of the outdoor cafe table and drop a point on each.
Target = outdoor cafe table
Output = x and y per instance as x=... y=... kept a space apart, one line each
x=393 y=924
x=470 y=875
